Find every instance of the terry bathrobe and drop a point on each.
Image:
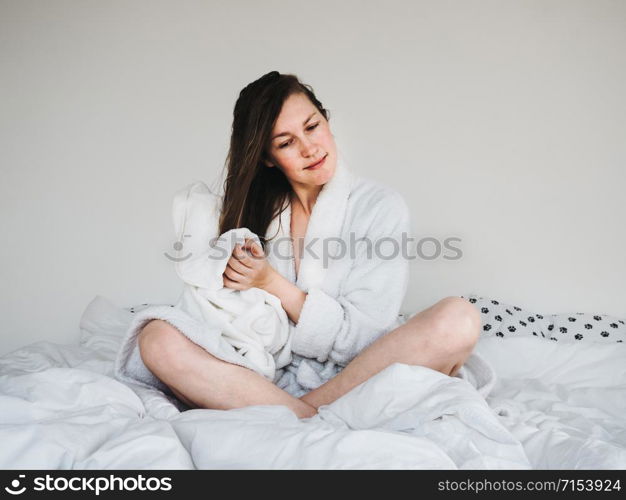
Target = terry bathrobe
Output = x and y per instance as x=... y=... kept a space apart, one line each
x=354 y=291
x=352 y=269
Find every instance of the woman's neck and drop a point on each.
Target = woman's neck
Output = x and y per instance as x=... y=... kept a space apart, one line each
x=306 y=197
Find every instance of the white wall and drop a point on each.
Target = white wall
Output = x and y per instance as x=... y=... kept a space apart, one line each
x=501 y=122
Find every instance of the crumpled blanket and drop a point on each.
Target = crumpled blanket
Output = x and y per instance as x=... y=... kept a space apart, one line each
x=554 y=405
x=404 y=417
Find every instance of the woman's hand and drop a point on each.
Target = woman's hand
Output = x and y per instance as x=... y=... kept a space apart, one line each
x=248 y=267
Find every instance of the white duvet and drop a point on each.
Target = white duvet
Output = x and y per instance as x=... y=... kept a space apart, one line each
x=553 y=406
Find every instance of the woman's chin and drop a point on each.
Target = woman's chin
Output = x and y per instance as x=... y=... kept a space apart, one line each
x=322 y=176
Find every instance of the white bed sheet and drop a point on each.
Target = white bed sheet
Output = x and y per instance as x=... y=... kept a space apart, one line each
x=554 y=406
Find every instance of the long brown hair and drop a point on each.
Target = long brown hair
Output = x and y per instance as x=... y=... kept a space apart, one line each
x=253 y=193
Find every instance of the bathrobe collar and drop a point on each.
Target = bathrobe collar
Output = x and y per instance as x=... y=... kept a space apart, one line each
x=323 y=231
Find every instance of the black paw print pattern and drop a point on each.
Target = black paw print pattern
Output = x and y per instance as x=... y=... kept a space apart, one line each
x=574 y=327
x=507 y=320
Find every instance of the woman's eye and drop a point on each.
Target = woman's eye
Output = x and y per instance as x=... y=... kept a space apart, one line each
x=285 y=144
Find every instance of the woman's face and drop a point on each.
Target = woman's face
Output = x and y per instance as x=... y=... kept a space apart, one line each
x=300 y=138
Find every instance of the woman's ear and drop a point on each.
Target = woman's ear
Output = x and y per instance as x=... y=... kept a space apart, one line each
x=268 y=162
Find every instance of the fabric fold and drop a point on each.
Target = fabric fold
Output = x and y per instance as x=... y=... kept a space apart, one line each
x=344 y=310
x=245 y=327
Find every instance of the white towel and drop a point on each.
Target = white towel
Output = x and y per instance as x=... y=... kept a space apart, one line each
x=245 y=327
x=252 y=321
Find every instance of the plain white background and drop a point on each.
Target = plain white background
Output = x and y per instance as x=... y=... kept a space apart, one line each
x=503 y=123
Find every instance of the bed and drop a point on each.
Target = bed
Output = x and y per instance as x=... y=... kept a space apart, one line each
x=554 y=405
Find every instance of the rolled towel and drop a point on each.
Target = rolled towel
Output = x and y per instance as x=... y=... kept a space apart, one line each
x=245 y=327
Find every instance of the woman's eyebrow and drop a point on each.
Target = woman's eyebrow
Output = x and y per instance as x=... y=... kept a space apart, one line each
x=303 y=124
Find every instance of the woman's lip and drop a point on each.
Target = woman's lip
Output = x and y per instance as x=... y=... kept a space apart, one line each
x=318 y=164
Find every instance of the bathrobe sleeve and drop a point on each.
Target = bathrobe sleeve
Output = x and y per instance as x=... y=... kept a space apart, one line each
x=369 y=298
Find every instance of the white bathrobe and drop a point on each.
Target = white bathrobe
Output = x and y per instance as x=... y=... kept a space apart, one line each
x=352 y=299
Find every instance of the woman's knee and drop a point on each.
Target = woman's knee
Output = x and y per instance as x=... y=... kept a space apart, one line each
x=456 y=324
x=165 y=350
x=160 y=344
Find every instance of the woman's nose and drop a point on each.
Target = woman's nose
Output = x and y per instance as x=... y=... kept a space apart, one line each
x=309 y=148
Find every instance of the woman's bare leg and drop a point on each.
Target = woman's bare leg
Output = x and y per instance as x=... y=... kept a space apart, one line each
x=441 y=337
x=204 y=381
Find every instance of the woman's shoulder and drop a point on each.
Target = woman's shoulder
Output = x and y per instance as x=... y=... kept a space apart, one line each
x=375 y=196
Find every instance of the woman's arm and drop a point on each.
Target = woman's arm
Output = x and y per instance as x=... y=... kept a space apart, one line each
x=338 y=327
x=291 y=297
x=246 y=269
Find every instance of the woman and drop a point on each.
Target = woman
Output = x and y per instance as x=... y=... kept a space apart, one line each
x=283 y=160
